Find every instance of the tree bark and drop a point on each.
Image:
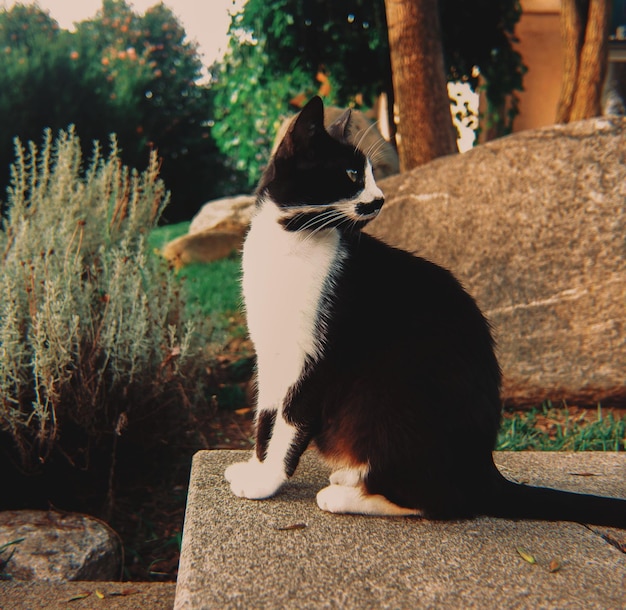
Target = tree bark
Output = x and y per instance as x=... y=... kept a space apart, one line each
x=573 y=36
x=425 y=129
x=584 y=27
x=593 y=62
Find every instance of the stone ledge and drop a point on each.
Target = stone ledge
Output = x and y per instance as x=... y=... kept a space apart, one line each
x=239 y=553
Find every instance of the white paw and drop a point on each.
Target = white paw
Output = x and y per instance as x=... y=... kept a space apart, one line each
x=343 y=499
x=339 y=499
x=253 y=479
x=350 y=477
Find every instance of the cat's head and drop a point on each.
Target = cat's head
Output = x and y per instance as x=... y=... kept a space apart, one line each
x=317 y=179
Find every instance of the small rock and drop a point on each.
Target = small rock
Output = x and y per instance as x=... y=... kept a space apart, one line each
x=58 y=546
x=228 y=214
x=203 y=247
x=216 y=232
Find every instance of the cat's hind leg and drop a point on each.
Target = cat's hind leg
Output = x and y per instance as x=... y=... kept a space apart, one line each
x=350 y=477
x=354 y=499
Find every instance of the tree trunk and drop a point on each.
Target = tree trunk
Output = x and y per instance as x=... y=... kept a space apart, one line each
x=573 y=36
x=584 y=27
x=425 y=129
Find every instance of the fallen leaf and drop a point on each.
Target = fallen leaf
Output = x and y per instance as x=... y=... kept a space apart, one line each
x=295 y=526
x=526 y=556
x=99 y=594
x=79 y=596
x=555 y=566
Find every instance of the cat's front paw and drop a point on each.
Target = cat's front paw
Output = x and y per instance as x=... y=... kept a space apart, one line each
x=253 y=479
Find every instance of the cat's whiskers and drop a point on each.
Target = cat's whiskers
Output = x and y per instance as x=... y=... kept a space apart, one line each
x=363 y=135
x=331 y=216
x=316 y=218
x=375 y=151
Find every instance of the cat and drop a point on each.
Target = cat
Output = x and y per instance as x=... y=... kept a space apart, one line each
x=383 y=155
x=378 y=357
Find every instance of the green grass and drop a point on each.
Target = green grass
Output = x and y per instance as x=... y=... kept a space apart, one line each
x=211 y=289
x=563 y=429
x=162 y=235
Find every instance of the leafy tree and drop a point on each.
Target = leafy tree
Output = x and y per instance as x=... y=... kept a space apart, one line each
x=348 y=41
x=155 y=100
x=250 y=105
x=135 y=75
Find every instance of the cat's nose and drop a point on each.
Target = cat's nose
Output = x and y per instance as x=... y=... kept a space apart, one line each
x=369 y=209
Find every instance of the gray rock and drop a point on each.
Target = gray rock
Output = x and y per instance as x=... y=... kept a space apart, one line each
x=55 y=546
x=534 y=225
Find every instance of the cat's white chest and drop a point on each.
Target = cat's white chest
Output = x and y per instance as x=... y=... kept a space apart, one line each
x=284 y=278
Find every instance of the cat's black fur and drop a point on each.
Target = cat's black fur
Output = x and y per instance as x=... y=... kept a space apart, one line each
x=407 y=380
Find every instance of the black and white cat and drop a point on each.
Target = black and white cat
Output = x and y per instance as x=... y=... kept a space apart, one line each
x=377 y=356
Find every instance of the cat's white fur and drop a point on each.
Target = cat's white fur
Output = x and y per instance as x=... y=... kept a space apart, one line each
x=284 y=277
x=284 y=274
x=348 y=499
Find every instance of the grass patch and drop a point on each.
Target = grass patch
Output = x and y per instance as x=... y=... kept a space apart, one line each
x=563 y=429
x=159 y=236
x=211 y=289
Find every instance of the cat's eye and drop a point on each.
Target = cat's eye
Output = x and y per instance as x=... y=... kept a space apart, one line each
x=352 y=174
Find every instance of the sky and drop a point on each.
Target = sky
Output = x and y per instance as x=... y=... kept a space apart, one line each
x=205 y=21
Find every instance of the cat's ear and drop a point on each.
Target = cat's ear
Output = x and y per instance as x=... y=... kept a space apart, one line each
x=338 y=129
x=308 y=124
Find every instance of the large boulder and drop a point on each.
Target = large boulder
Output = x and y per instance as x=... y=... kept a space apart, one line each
x=534 y=226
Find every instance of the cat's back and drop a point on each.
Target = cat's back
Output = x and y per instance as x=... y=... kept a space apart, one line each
x=395 y=279
x=389 y=301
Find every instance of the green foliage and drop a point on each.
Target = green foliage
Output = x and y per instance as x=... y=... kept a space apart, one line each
x=347 y=40
x=551 y=429
x=274 y=56
x=135 y=75
x=213 y=289
x=93 y=331
x=250 y=104
x=286 y=43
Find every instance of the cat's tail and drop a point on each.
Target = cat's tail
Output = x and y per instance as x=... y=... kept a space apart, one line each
x=517 y=501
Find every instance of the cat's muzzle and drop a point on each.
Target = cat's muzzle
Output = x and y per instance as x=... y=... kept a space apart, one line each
x=369 y=210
